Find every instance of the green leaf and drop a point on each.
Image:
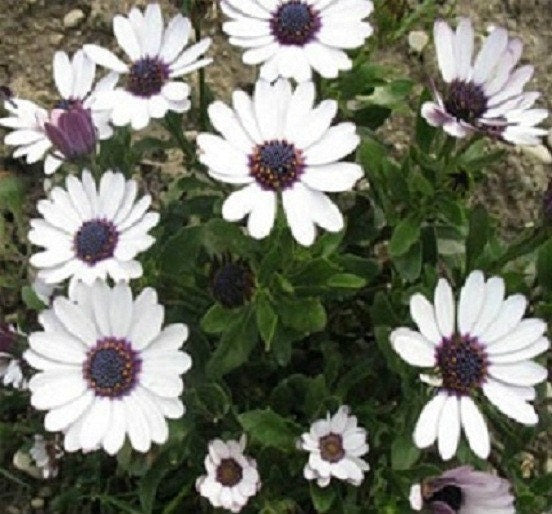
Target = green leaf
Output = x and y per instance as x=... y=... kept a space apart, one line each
x=322 y=497
x=147 y=488
x=211 y=399
x=405 y=234
x=409 y=265
x=403 y=453
x=218 y=318
x=31 y=300
x=267 y=319
x=346 y=281
x=180 y=252
x=425 y=133
x=544 y=265
x=12 y=192
x=270 y=429
x=306 y=315
x=478 y=236
x=235 y=345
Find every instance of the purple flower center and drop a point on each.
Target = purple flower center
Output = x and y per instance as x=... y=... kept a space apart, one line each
x=95 y=241
x=147 y=77
x=466 y=101
x=276 y=165
x=112 y=367
x=229 y=473
x=451 y=495
x=463 y=363
x=232 y=284
x=295 y=23
x=331 y=447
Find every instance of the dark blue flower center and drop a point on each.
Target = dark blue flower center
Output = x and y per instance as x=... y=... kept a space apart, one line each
x=295 y=23
x=95 y=241
x=466 y=101
x=232 y=284
x=331 y=447
x=111 y=368
x=147 y=77
x=276 y=164
x=463 y=364
x=451 y=495
x=229 y=473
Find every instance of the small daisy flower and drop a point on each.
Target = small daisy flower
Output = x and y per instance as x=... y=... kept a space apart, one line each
x=485 y=94
x=46 y=454
x=91 y=233
x=157 y=57
x=277 y=143
x=489 y=351
x=232 y=478
x=70 y=130
x=293 y=37
x=336 y=445
x=463 y=491
x=107 y=368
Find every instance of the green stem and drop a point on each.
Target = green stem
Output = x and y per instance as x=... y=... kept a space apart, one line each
x=202 y=85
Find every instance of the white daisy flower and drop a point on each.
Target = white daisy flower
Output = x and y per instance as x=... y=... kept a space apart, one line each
x=485 y=94
x=232 y=478
x=91 y=233
x=489 y=351
x=107 y=368
x=71 y=129
x=463 y=491
x=46 y=455
x=291 y=37
x=277 y=143
x=157 y=57
x=336 y=445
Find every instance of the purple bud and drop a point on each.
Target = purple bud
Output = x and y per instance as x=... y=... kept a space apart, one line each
x=7 y=338
x=72 y=131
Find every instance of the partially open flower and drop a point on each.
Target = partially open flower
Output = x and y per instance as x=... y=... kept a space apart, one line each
x=46 y=454
x=463 y=491
x=486 y=96
x=232 y=282
x=72 y=131
x=336 y=445
x=232 y=478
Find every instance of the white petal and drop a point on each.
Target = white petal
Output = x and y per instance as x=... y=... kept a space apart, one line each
x=63 y=74
x=526 y=333
x=96 y=423
x=146 y=320
x=153 y=20
x=176 y=91
x=449 y=428
x=529 y=352
x=423 y=314
x=444 y=308
x=226 y=122
x=300 y=106
x=315 y=125
x=57 y=389
x=296 y=204
x=509 y=315
x=471 y=300
x=126 y=37
x=175 y=38
x=61 y=417
x=510 y=403
x=444 y=44
x=267 y=116
x=524 y=373
x=105 y=58
x=463 y=45
x=240 y=203
x=413 y=347
x=425 y=432
x=246 y=113
x=263 y=213
x=494 y=46
x=335 y=177
x=75 y=321
x=120 y=309
x=114 y=438
x=475 y=428
x=494 y=296
x=338 y=142
x=137 y=425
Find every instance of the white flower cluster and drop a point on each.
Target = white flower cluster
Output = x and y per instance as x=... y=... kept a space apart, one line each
x=107 y=367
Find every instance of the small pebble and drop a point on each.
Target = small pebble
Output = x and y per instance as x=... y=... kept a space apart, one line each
x=418 y=40
x=539 y=152
x=73 y=18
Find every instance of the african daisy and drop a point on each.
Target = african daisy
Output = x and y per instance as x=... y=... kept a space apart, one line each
x=485 y=95
x=157 y=57
x=463 y=491
x=91 y=232
x=107 y=368
x=232 y=477
x=278 y=144
x=336 y=445
x=293 y=37
x=490 y=351
x=69 y=132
